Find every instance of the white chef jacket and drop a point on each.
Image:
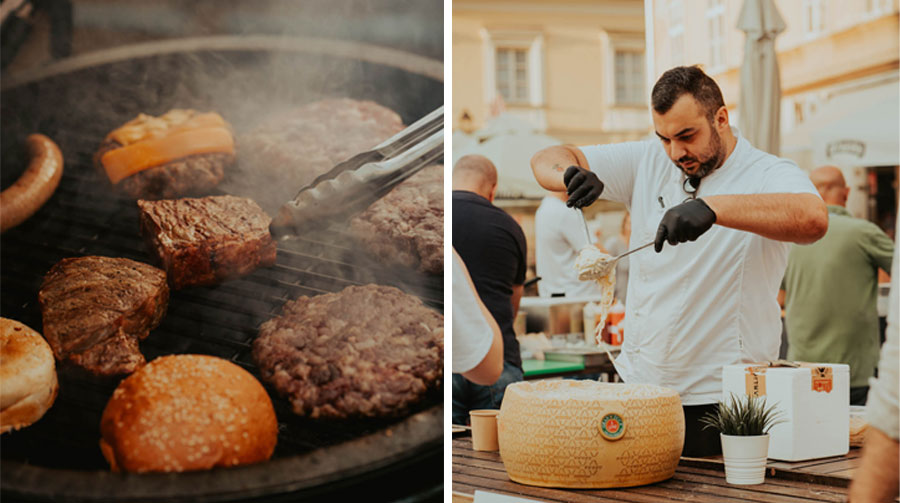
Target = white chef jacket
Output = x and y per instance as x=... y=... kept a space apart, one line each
x=472 y=336
x=559 y=236
x=696 y=306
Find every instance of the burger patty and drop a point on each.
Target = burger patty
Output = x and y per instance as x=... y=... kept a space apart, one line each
x=287 y=152
x=194 y=175
x=368 y=351
x=406 y=226
x=96 y=309
x=207 y=240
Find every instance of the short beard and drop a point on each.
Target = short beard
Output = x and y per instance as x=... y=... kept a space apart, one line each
x=716 y=159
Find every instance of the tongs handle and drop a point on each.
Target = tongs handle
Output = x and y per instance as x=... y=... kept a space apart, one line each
x=401 y=141
x=353 y=190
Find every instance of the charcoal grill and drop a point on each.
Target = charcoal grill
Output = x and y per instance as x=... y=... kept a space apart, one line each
x=76 y=102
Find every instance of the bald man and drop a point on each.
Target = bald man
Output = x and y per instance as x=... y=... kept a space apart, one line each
x=492 y=246
x=831 y=289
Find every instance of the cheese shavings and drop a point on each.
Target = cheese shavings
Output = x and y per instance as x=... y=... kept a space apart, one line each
x=593 y=264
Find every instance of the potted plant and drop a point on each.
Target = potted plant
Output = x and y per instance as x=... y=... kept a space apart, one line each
x=744 y=424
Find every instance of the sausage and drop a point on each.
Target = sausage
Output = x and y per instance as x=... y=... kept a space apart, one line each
x=35 y=186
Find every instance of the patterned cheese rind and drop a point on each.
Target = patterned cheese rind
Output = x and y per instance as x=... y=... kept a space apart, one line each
x=550 y=434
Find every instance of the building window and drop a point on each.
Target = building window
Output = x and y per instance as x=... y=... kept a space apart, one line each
x=813 y=17
x=878 y=7
x=715 y=16
x=629 y=75
x=511 y=68
x=676 y=31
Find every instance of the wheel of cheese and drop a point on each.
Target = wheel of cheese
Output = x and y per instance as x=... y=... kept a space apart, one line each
x=588 y=434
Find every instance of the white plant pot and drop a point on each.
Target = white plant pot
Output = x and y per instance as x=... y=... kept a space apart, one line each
x=745 y=458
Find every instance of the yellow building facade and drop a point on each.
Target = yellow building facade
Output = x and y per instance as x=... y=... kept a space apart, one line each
x=839 y=62
x=575 y=69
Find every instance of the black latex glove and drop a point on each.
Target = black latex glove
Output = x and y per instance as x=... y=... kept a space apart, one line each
x=685 y=222
x=582 y=186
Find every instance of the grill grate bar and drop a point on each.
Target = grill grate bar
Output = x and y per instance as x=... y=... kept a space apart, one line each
x=326 y=277
x=342 y=244
x=293 y=254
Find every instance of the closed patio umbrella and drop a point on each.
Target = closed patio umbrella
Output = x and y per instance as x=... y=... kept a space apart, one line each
x=760 y=100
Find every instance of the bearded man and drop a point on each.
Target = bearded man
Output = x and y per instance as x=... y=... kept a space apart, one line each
x=733 y=211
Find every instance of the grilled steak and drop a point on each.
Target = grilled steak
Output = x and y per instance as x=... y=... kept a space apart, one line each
x=368 y=351
x=96 y=309
x=285 y=154
x=194 y=175
x=207 y=240
x=406 y=226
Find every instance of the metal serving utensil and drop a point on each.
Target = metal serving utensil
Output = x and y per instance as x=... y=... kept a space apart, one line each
x=629 y=252
x=612 y=262
x=601 y=267
x=353 y=185
x=587 y=233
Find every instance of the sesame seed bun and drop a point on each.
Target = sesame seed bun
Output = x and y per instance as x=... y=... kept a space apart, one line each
x=28 y=383
x=187 y=412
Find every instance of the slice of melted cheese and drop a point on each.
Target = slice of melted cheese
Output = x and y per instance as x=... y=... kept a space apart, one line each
x=147 y=141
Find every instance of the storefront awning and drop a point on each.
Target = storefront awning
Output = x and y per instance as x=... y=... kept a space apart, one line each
x=868 y=135
x=855 y=129
x=509 y=143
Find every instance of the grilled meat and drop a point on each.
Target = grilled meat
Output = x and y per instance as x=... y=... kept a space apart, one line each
x=182 y=152
x=207 y=240
x=406 y=226
x=296 y=147
x=96 y=309
x=368 y=351
x=194 y=175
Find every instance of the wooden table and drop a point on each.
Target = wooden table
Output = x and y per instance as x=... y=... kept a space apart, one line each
x=696 y=479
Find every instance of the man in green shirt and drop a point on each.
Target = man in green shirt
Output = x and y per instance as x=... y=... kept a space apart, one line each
x=831 y=289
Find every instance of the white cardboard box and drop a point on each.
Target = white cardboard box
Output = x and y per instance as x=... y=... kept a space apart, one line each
x=814 y=401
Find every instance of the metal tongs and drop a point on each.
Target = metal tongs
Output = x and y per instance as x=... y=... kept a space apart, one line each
x=353 y=185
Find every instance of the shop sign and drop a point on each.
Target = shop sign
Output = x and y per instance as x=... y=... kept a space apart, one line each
x=855 y=148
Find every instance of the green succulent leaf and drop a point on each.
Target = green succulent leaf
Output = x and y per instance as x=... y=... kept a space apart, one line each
x=743 y=415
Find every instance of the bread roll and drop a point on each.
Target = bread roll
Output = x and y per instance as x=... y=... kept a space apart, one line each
x=187 y=412
x=28 y=383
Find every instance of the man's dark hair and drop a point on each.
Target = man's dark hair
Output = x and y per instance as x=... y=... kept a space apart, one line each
x=686 y=80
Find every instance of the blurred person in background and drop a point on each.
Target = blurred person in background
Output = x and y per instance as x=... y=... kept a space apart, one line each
x=477 y=340
x=492 y=246
x=831 y=289
x=697 y=306
x=877 y=479
x=559 y=236
x=617 y=245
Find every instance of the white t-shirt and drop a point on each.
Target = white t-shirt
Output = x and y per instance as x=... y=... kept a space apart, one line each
x=559 y=236
x=472 y=336
x=696 y=306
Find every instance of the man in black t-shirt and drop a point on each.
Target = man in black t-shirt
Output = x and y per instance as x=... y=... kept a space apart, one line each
x=492 y=246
